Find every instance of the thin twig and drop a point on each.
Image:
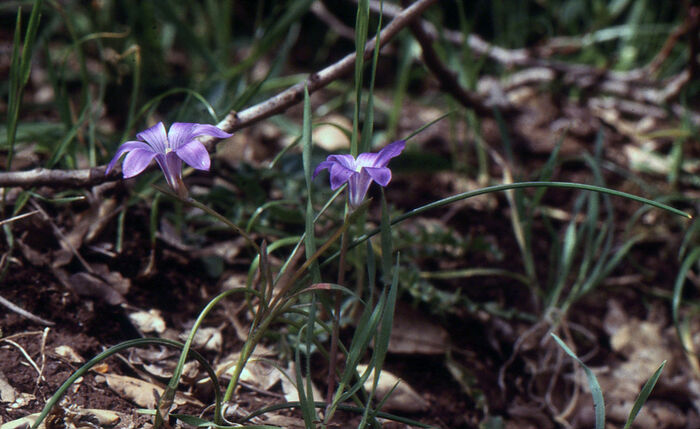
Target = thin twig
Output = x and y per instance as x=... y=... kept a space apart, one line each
x=447 y=77
x=234 y=121
x=22 y=312
x=321 y=11
x=18 y=217
x=25 y=354
x=42 y=352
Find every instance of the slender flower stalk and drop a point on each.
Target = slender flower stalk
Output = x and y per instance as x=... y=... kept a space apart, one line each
x=361 y=172
x=169 y=150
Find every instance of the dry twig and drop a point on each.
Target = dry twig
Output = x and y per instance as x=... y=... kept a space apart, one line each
x=447 y=77
x=24 y=313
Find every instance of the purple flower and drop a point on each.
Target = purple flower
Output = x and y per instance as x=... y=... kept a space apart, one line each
x=359 y=173
x=169 y=150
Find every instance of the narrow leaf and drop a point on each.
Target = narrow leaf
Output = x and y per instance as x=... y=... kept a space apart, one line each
x=596 y=392
x=643 y=395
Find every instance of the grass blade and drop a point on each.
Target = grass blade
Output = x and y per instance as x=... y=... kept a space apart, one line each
x=643 y=395
x=596 y=392
x=361 y=27
x=687 y=264
x=310 y=240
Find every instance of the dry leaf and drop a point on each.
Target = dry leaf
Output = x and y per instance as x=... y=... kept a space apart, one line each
x=88 y=285
x=644 y=344
x=260 y=374
x=87 y=226
x=286 y=422
x=403 y=398
x=72 y=418
x=23 y=423
x=208 y=338
x=142 y=393
x=7 y=392
x=413 y=333
x=68 y=353
x=227 y=365
x=289 y=387
x=109 y=286
x=22 y=401
x=148 y=321
x=90 y=418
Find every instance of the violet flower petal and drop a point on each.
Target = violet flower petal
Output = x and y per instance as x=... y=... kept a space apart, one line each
x=340 y=175
x=170 y=149
x=194 y=154
x=390 y=151
x=380 y=175
x=346 y=161
x=358 y=185
x=136 y=161
x=209 y=130
x=155 y=136
x=322 y=166
x=171 y=165
x=180 y=133
x=126 y=147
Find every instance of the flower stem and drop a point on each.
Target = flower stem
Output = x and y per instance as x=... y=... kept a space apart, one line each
x=333 y=352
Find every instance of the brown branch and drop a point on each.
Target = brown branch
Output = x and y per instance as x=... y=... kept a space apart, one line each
x=634 y=84
x=233 y=121
x=58 y=178
x=448 y=79
x=294 y=94
x=325 y=15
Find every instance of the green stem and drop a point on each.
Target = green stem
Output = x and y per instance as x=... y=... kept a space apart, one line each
x=169 y=394
x=336 y=316
x=249 y=347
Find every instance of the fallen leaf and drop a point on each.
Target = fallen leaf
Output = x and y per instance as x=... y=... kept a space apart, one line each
x=207 y=338
x=23 y=423
x=87 y=226
x=142 y=393
x=289 y=387
x=91 y=417
x=413 y=333
x=90 y=286
x=72 y=418
x=68 y=353
x=227 y=365
x=106 y=285
x=286 y=422
x=148 y=321
x=7 y=392
x=260 y=373
x=22 y=400
x=403 y=398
